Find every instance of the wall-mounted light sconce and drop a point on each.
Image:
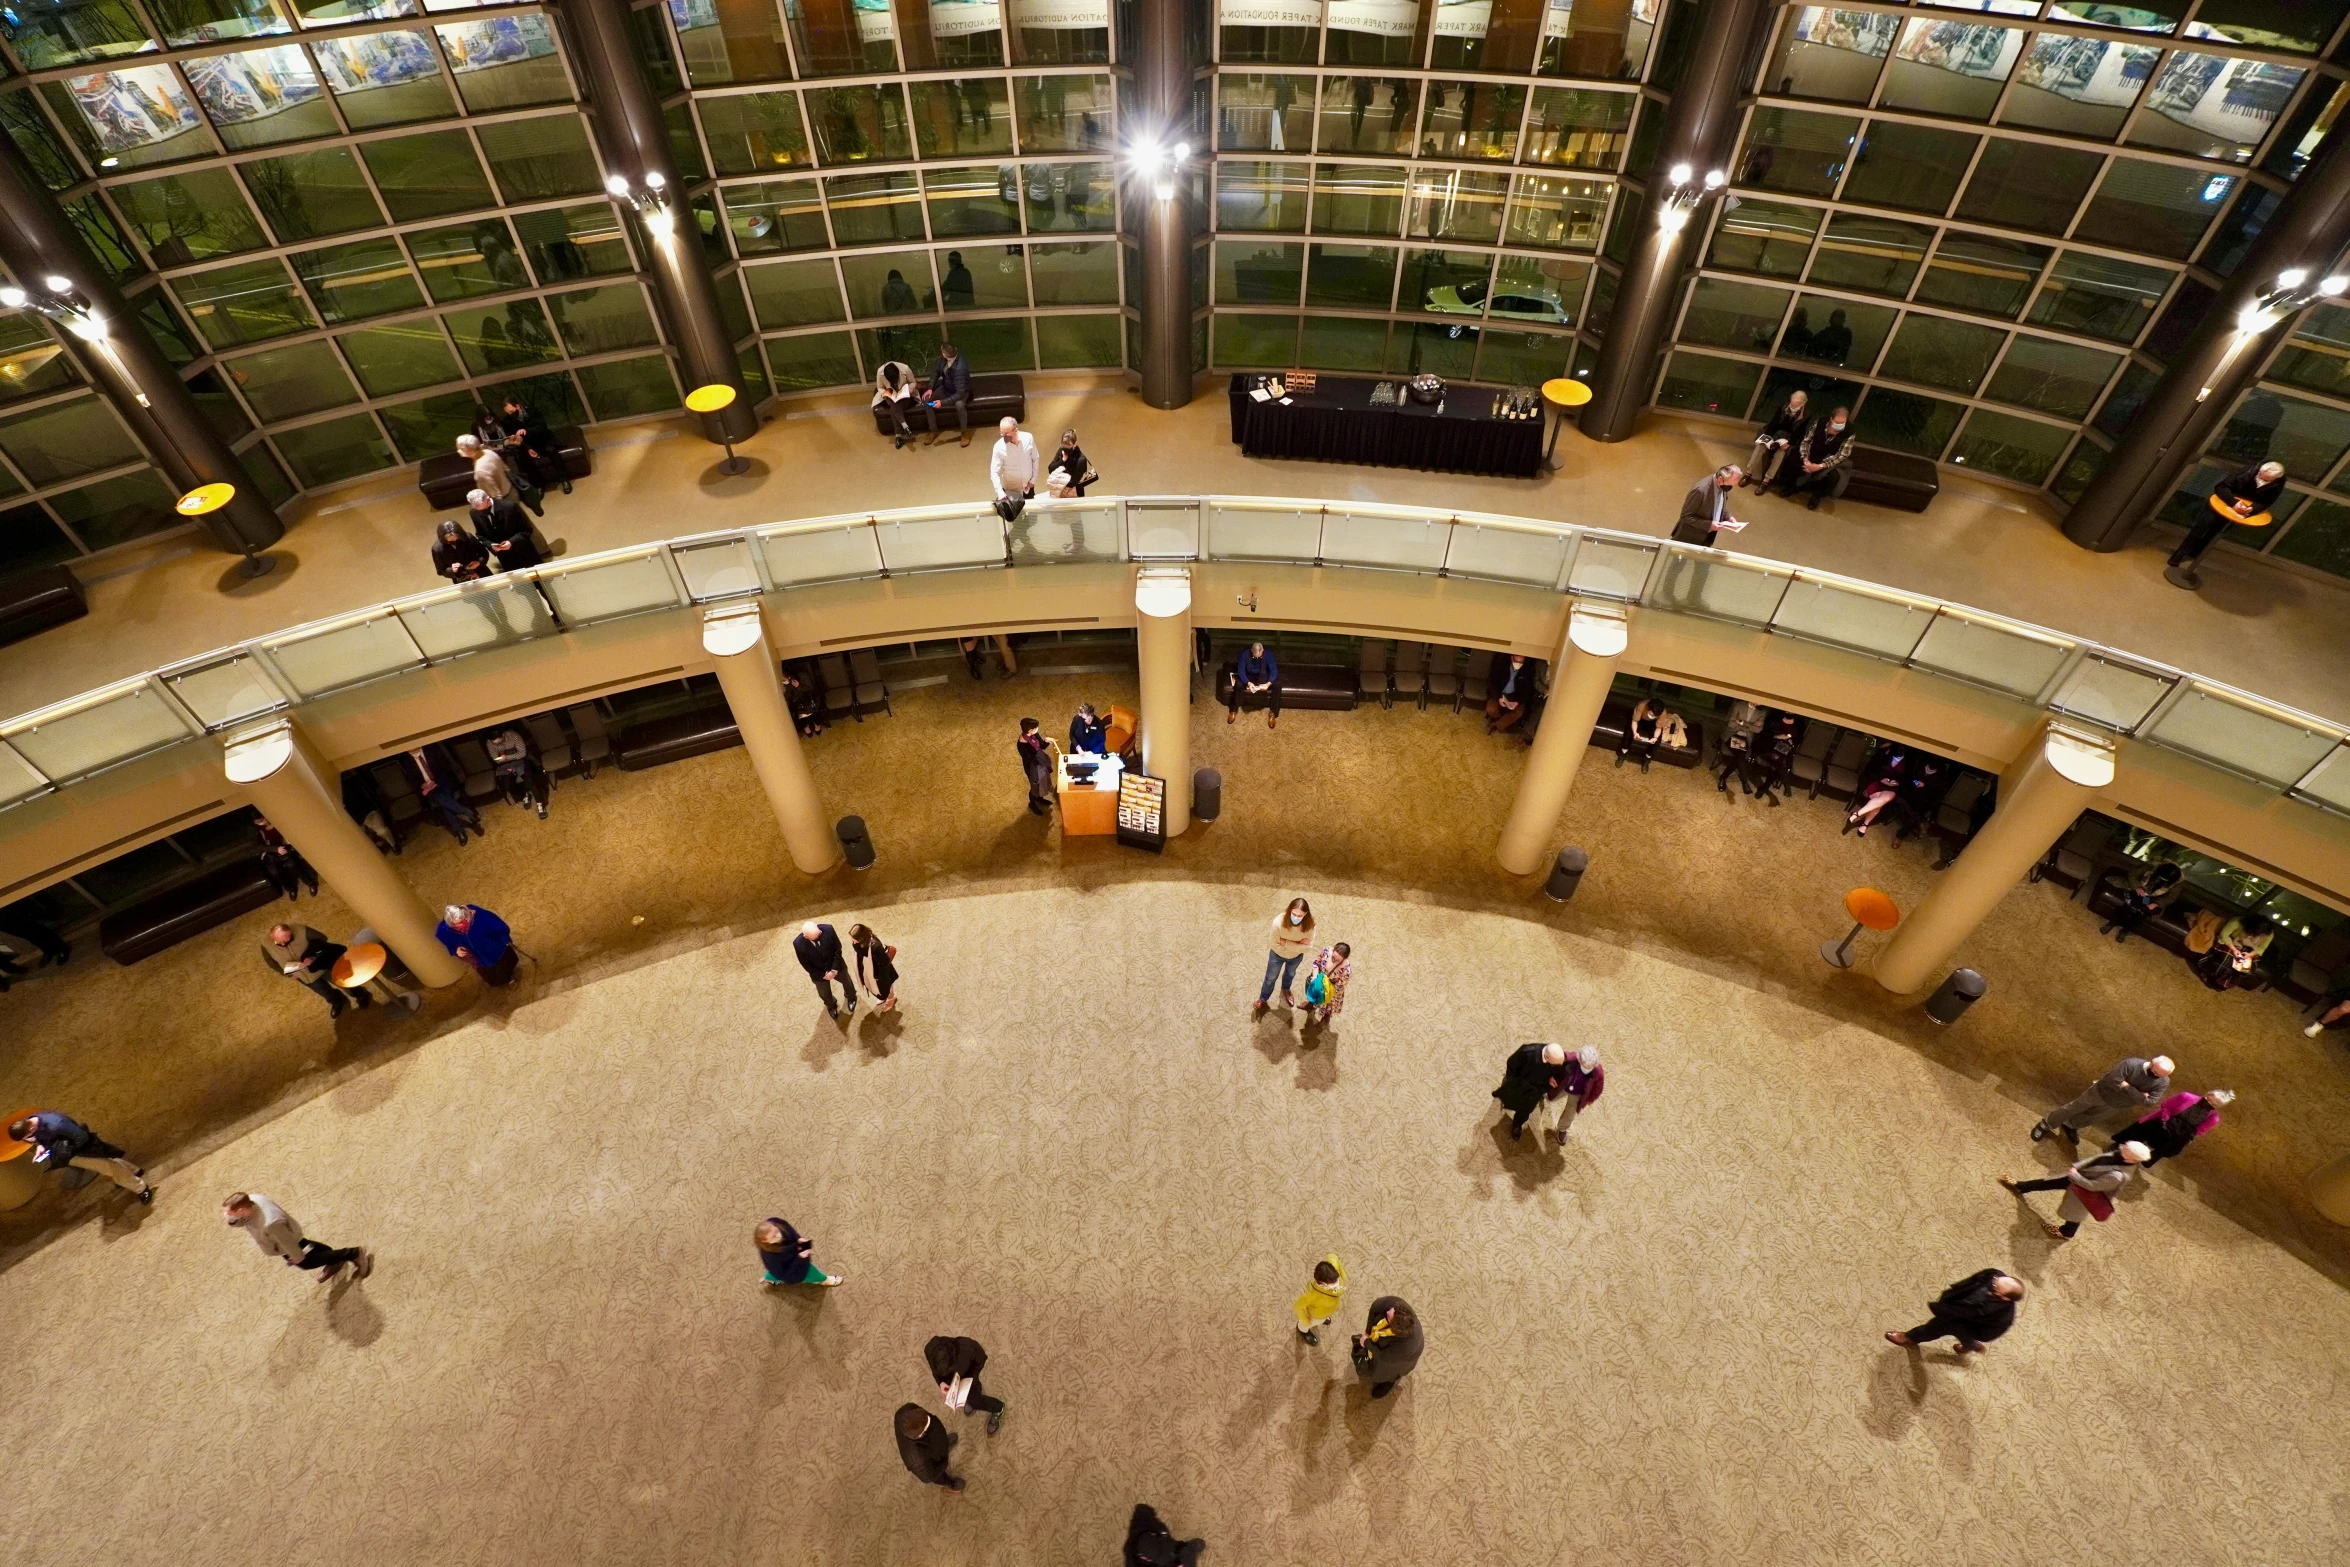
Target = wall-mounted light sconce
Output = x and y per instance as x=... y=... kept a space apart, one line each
x=651 y=200
x=1159 y=163
x=2292 y=291
x=59 y=301
x=1683 y=191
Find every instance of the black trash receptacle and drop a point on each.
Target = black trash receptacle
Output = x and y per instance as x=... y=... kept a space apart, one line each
x=1207 y=795
x=1960 y=991
x=1567 y=874
x=855 y=843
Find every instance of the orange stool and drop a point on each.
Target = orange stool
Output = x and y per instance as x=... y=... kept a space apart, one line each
x=1870 y=910
x=20 y=1178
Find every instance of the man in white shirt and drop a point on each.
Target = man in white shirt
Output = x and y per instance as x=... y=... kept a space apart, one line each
x=279 y=1234
x=491 y=475
x=1013 y=466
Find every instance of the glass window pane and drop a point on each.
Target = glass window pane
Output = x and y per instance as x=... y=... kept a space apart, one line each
x=995 y=345
x=1367 y=114
x=105 y=30
x=730 y=43
x=875 y=209
x=1256 y=342
x=1264 y=113
x=1516 y=358
x=334 y=450
x=2213 y=106
x=2083 y=86
x=67 y=440
x=353 y=282
x=983 y=277
x=551 y=397
x=805 y=293
x=1835 y=332
x=286 y=383
x=113 y=511
x=430 y=425
x=630 y=387
x=1343 y=343
x=2056 y=378
x=1064 y=113
x=1951 y=68
x=1920 y=426
x=1911 y=167
x=1377 y=35
x=1702 y=383
x=1792 y=151
x=1359 y=277
x=1251 y=272
x=1935 y=352
x=1576 y=128
x=2072 y=480
x=1456 y=204
x=1557 y=214
x=858 y=124
x=467 y=260
x=955 y=34
x=603 y=320
x=1443 y=282
x=2129 y=394
x=261 y=96
x=1473 y=120
x=1827 y=53
x=812 y=360
x=573 y=242
x=130 y=119
x=985 y=198
x=1977 y=272
x=504 y=62
x=400 y=357
x=750 y=133
x=32 y=362
x=1066 y=197
x=28 y=539
x=2100 y=296
x=2320 y=537
x=181 y=218
x=26 y=127
x=2299 y=25
x=1265 y=196
x=1358 y=199
x=1078 y=342
x=2011 y=447
x=2318 y=354
x=242 y=304
x=1877 y=255
x=775 y=215
x=164 y=325
x=541 y=158
x=309 y=195
x=426 y=176
x=385 y=78
x=1272 y=44
x=2028 y=185
x=1080 y=274
x=2306 y=437
x=501 y=339
x=1770 y=237
x=2153 y=207
x=1726 y=314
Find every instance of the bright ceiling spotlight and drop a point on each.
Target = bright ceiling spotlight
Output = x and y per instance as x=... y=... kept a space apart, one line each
x=1715 y=179
x=14 y=298
x=2333 y=287
x=57 y=285
x=618 y=186
x=2292 y=277
x=655 y=180
x=1679 y=173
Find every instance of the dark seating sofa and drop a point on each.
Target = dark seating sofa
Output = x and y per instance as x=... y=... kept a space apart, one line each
x=33 y=601
x=448 y=478
x=1885 y=478
x=696 y=732
x=1321 y=688
x=189 y=909
x=1616 y=716
x=992 y=397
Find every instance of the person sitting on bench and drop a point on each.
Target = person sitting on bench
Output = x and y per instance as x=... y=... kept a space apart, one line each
x=1826 y=447
x=894 y=391
x=1256 y=673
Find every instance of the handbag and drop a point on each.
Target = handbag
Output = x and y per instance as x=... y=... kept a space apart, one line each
x=1010 y=507
x=1317 y=989
x=2203 y=931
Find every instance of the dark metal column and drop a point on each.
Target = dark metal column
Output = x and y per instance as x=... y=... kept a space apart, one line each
x=37 y=242
x=634 y=139
x=1699 y=132
x=2309 y=231
x=1162 y=89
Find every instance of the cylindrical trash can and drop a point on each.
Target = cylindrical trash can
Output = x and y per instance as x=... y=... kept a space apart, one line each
x=1960 y=991
x=1566 y=873
x=855 y=845
x=1207 y=794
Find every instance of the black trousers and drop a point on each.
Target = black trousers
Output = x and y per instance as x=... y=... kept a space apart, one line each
x=317 y=1254
x=1936 y=1327
x=324 y=989
x=2054 y=1183
x=848 y=993
x=1242 y=696
x=979 y=1403
x=1801 y=483
x=896 y=408
x=2199 y=538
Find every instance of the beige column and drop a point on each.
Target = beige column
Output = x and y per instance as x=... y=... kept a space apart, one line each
x=736 y=637
x=2329 y=1188
x=287 y=782
x=1162 y=603
x=1579 y=682
x=2039 y=796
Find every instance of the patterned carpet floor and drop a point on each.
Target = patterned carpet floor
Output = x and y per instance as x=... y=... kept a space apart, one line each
x=1659 y=1345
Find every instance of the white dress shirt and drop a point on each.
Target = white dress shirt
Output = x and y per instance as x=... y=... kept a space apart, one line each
x=272 y=1228
x=1013 y=465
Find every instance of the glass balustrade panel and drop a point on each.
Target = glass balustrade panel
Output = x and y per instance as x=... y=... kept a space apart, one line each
x=1392 y=543
x=227 y=692
x=941 y=543
x=1698 y=582
x=2252 y=739
x=1058 y=533
x=722 y=569
x=1986 y=653
x=1291 y=533
x=130 y=722
x=796 y=556
x=345 y=653
x=1506 y=554
x=490 y=613
x=607 y=590
x=1610 y=568
x=2109 y=693
x=2327 y=784
x=1874 y=623
x=1162 y=530
x=19 y=779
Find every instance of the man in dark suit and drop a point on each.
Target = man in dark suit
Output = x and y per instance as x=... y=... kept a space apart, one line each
x=528 y=441
x=923 y=1444
x=433 y=773
x=1389 y=1346
x=1532 y=1074
x=501 y=526
x=953 y=1359
x=1256 y=676
x=1509 y=685
x=2241 y=496
x=818 y=949
x=949 y=384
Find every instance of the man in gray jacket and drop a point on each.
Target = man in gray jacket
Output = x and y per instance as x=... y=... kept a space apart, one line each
x=1704 y=511
x=2133 y=1086
x=279 y=1234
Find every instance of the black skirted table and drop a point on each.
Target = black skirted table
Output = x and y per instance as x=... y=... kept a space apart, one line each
x=1338 y=422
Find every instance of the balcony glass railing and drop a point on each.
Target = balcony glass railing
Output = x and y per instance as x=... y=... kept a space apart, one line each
x=2293 y=753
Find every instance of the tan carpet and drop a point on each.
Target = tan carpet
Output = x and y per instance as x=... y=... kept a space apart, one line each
x=1659 y=1346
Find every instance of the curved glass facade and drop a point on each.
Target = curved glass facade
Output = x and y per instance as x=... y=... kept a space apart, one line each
x=1984 y=224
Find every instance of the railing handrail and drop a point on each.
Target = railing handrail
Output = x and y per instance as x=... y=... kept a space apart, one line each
x=765 y=542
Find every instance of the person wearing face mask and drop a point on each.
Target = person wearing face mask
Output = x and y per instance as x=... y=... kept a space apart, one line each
x=1293 y=932
x=1773 y=441
x=1826 y=447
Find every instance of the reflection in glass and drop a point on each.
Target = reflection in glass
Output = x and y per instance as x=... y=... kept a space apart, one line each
x=1920 y=426
x=32 y=362
x=752 y=132
x=181 y=218
x=427 y=176
x=1258 y=272
x=1372 y=114
x=242 y=304
x=1557 y=214
x=467 y=260
x=67 y=441
x=1835 y=332
x=573 y=242
x=2308 y=438
x=101 y=30
x=285 y=383
x=875 y=209
x=2028 y=185
x=353 y=282
x=261 y=96
x=536 y=159
x=1978 y=272
x=1256 y=342
x=2010 y=446
x=1951 y=68
x=2215 y=107
x=775 y=215
x=309 y=195
x=1828 y=53
x=961 y=116
x=1264 y=113
x=814 y=359
x=1701 y=383
x=118 y=509
x=985 y=198
x=1262 y=195
x=1935 y=352
x=1472 y=120
x=2083 y=86
x=603 y=320
x=1081 y=274
x=385 y=78
x=131 y=118
x=1376 y=34
x=2318 y=355
x=1723 y=313
x=502 y=338
x=1877 y=255
x=1357 y=277
x=2153 y=207
x=1912 y=167
x=855 y=124
x=843 y=40
x=2100 y=296
x=1455 y=204
x=333 y=450
x=1792 y=151
x=1358 y=199
x=880 y=284
x=400 y=357
x=2064 y=379
x=1064 y=113
x=430 y=425
x=729 y=43
x=1571 y=127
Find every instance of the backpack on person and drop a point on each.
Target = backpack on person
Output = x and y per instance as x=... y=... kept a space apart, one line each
x=1009 y=507
x=1317 y=989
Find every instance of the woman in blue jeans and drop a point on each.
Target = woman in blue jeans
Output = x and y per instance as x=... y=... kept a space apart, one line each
x=1293 y=933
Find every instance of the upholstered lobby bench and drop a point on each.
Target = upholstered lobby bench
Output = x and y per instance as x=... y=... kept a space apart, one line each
x=33 y=601
x=189 y=909
x=992 y=397
x=1320 y=688
x=695 y=732
x=1884 y=478
x=1616 y=716
x=448 y=478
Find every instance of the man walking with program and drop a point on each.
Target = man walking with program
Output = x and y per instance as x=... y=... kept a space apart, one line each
x=278 y=1234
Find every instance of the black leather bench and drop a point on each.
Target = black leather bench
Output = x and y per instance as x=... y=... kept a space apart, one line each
x=992 y=397
x=1616 y=716
x=1884 y=478
x=33 y=601
x=696 y=732
x=448 y=478
x=1320 y=688
x=190 y=909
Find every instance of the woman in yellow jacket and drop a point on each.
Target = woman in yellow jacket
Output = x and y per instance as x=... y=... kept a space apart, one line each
x=1320 y=1301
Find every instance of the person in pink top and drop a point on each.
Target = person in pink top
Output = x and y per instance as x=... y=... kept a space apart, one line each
x=2171 y=1126
x=1579 y=1088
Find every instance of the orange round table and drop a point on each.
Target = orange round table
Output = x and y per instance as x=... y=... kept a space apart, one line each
x=2259 y=519
x=1562 y=393
x=361 y=966
x=1870 y=910
x=20 y=1178
x=716 y=398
